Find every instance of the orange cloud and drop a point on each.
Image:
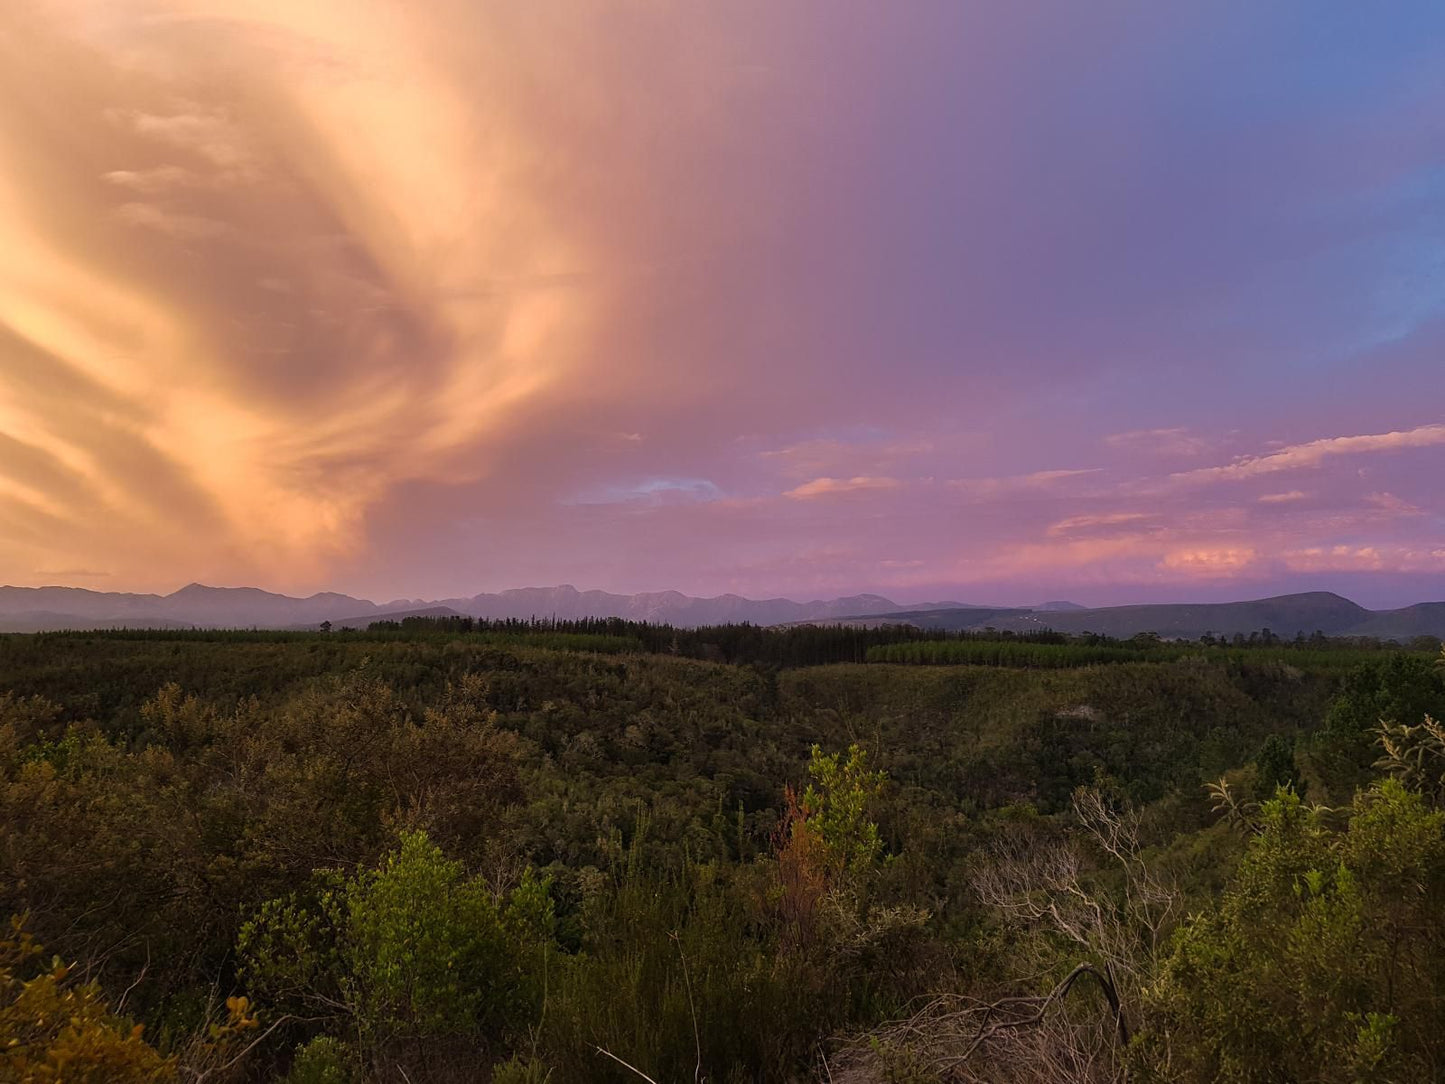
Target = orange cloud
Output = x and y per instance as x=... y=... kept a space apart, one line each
x=1209 y=562
x=827 y=487
x=1281 y=498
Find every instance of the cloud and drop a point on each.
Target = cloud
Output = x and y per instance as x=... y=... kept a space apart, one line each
x=1075 y=524
x=1343 y=558
x=174 y=223
x=652 y=490
x=1018 y=483
x=151 y=181
x=1397 y=506
x=1175 y=442
x=827 y=487
x=1209 y=562
x=1316 y=452
x=1288 y=497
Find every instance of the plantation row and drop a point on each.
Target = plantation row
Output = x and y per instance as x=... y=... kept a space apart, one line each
x=1038 y=656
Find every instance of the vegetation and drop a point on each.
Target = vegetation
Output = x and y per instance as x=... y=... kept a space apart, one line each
x=444 y=853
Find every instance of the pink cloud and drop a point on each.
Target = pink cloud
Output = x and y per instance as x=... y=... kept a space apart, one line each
x=1388 y=502
x=1315 y=452
x=1084 y=522
x=1013 y=483
x=1176 y=441
x=1209 y=562
x=827 y=487
x=1282 y=498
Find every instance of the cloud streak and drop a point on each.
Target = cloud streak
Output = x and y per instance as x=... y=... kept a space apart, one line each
x=1315 y=452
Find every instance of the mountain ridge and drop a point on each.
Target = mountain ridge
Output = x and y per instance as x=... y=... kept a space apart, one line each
x=197 y=605
x=37 y=609
x=1286 y=615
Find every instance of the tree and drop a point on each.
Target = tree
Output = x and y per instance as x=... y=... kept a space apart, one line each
x=404 y=957
x=1400 y=689
x=1325 y=958
x=1275 y=767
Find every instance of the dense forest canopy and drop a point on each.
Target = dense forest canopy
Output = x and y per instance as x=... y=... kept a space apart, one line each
x=603 y=850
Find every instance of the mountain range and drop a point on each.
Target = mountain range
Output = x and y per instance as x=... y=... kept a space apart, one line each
x=33 y=609
x=1285 y=615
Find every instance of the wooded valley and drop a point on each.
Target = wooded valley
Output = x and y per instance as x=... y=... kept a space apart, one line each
x=602 y=851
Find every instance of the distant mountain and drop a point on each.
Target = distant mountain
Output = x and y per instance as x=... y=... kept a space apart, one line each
x=1285 y=615
x=671 y=607
x=391 y=615
x=949 y=619
x=195 y=604
x=1421 y=619
x=32 y=609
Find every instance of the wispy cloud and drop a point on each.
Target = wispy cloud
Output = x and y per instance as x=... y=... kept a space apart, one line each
x=1173 y=442
x=829 y=487
x=1395 y=506
x=651 y=490
x=1018 y=483
x=1316 y=452
x=1091 y=521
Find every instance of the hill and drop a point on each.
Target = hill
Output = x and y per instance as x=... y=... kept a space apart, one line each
x=1285 y=615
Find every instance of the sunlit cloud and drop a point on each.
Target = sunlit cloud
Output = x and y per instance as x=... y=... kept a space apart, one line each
x=1020 y=483
x=1395 y=506
x=1177 y=441
x=1090 y=521
x=828 y=487
x=1316 y=452
x=1209 y=562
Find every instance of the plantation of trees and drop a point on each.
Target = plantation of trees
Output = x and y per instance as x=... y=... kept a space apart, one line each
x=607 y=851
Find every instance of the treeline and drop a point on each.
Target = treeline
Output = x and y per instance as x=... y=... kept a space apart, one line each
x=983 y=651
x=740 y=644
x=799 y=645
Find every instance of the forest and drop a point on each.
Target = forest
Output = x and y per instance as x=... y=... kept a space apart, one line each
x=528 y=852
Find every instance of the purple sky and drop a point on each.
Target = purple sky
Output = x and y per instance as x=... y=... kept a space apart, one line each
x=988 y=301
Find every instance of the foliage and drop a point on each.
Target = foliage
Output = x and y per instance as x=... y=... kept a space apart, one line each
x=1325 y=957
x=323 y=1060
x=1397 y=689
x=411 y=952
x=836 y=806
x=1415 y=755
x=54 y=1029
x=1275 y=767
x=440 y=854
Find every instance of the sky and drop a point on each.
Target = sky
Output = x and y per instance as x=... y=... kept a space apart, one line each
x=997 y=302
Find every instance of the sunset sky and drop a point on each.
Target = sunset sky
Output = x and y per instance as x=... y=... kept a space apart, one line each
x=997 y=302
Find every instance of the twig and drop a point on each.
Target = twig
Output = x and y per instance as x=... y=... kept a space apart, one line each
x=626 y=1065
x=691 y=1008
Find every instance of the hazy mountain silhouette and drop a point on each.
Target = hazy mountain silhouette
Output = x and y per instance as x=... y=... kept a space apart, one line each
x=1285 y=615
x=27 y=609
x=30 y=609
